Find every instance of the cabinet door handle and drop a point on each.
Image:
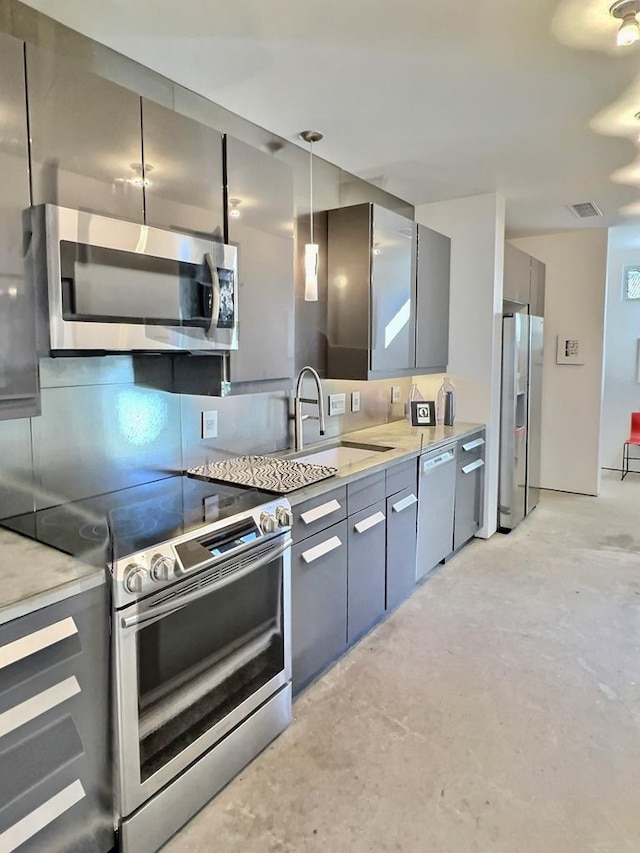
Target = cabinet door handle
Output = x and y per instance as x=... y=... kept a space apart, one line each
x=472 y=466
x=368 y=523
x=471 y=445
x=319 y=512
x=45 y=814
x=320 y=550
x=36 y=642
x=405 y=503
x=38 y=705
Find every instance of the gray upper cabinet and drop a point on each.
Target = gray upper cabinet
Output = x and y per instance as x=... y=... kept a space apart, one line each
x=183 y=172
x=85 y=139
x=517 y=275
x=260 y=224
x=19 y=388
x=433 y=277
x=371 y=293
x=524 y=279
x=538 y=277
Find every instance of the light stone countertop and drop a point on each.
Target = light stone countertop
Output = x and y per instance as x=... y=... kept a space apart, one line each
x=407 y=442
x=35 y=575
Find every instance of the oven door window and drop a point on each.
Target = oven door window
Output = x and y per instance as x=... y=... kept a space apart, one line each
x=199 y=662
x=111 y=286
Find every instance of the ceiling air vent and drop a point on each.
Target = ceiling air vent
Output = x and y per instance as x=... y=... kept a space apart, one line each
x=585 y=209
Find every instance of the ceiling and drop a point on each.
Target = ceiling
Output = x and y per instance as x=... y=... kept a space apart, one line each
x=429 y=100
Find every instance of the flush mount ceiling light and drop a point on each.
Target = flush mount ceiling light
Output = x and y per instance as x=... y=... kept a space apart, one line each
x=627 y=11
x=234 y=208
x=311 y=249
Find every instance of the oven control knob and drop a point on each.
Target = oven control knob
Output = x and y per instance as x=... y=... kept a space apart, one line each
x=268 y=522
x=161 y=568
x=134 y=578
x=284 y=516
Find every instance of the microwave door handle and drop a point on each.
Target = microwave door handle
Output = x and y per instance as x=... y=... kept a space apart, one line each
x=214 y=302
x=176 y=604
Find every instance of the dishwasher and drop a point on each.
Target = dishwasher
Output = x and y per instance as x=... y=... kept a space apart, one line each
x=437 y=487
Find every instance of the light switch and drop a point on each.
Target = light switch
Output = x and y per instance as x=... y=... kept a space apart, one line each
x=395 y=393
x=210 y=424
x=337 y=404
x=355 y=401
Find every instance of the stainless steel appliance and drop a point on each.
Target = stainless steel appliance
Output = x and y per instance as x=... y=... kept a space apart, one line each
x=107 y=285
x=202 y=661
x=520 y=417
x=436 y=490
x=201 y=632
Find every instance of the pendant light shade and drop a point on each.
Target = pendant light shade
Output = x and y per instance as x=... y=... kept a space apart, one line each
x=311 y=249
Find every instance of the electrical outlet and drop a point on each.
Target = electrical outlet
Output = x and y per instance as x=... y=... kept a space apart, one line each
x=337 y=404
x=395 y=393
x=210 y=424
x=355 y=401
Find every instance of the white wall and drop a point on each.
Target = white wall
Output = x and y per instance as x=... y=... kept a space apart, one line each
x=621 y=389
x=476 y=226
x=572 y=394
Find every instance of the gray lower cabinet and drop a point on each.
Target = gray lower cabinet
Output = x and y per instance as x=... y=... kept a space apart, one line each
x=19 y=386
x=318 y=602
x=55 y=756
x=402 y=521
x=468 y=515
x=366 y=562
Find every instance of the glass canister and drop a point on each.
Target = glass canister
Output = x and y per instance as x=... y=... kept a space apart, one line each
x=446 y=403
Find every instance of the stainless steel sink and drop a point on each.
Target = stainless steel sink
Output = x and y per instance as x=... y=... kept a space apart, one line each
x=341 y=454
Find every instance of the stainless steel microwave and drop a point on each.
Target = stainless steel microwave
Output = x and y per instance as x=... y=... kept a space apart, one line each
x=107 y=285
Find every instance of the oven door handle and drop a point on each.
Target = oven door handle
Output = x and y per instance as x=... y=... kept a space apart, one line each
x=174 y=605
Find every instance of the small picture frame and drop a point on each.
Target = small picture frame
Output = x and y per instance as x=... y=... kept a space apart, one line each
x=423 y=413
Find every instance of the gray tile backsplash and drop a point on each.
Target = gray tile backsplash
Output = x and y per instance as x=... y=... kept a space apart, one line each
x=16 y=472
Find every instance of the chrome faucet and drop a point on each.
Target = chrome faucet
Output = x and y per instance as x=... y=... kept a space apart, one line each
x=298 y=401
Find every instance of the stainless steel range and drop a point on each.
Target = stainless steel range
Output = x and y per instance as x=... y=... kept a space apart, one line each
x=201 y=630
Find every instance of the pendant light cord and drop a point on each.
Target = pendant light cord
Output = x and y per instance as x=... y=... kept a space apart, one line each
x=311 y=188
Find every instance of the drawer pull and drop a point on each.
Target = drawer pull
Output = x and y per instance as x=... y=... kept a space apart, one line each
x=405 y=503
x=321 y=549
x=472 y=466
x=38 y=705
x=319 y=512
x=471 y=445
x=36 y=642
x=45 y=814
x=368 y=523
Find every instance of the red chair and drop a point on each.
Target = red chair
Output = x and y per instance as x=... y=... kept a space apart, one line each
x=634 y=439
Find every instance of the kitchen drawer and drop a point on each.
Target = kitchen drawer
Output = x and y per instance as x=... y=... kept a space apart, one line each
x=366 y=586
x=469 y=501
x=318 y=602
x=367 y=491
x=314 y=515
x=402 y=476
x=471 y=448
x=55 y=770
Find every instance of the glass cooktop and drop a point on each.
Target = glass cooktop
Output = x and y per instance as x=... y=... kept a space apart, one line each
x=116 y=524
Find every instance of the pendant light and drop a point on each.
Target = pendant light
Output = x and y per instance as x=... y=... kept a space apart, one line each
x=311 y=249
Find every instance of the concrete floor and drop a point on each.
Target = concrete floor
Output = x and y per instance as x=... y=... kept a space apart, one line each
x=497 y=711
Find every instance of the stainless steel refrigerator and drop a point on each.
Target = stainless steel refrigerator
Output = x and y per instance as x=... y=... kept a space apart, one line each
x=520 y=418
